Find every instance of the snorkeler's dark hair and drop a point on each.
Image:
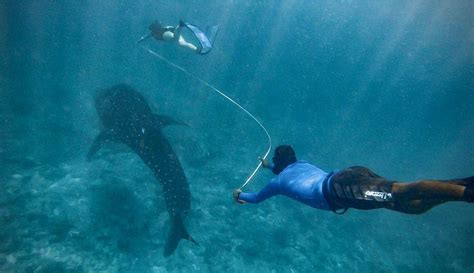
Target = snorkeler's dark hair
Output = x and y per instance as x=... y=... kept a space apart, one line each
x=155 y=26
x=157 y=30
x=284 y=156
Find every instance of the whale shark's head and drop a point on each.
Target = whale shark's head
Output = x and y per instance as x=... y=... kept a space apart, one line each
x=120 y=105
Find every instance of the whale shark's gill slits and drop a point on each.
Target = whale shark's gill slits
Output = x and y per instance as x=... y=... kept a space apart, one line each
x=170 y=63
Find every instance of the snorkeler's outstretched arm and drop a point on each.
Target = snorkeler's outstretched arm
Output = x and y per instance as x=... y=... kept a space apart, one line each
x=144 y=37
x=271 y=189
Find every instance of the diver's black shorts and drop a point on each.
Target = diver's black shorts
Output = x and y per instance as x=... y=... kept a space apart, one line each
x=360 y=188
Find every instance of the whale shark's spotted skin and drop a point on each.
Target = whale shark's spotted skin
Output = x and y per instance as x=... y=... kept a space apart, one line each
x=126 y=117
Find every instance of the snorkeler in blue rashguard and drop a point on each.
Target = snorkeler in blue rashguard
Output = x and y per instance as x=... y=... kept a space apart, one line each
x=354 y=187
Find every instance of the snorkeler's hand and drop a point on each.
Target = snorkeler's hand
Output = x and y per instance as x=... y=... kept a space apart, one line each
x=143 y=38
x=265 y=163
x=236 y=195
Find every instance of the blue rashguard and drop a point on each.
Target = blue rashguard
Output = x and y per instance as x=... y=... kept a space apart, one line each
x=300 y=181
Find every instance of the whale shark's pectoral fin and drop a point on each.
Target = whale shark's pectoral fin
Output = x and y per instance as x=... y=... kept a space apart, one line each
x=176 y=233
x=163 y=121
x=100 y=141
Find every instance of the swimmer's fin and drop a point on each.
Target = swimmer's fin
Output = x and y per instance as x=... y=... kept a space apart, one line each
x=206 y=40
x=469 y=193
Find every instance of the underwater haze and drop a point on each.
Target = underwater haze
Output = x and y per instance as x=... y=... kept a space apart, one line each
x=383 y=84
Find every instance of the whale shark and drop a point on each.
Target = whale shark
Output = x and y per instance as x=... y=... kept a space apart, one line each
x=127 y=118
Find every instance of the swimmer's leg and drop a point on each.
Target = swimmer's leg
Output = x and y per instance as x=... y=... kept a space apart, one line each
x=419 y=197
x=415 y=206
x=183 y=43
x=429 y=189
x=180 y=39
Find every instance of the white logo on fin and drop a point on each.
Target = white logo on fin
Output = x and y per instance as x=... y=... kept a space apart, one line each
x=378 y=194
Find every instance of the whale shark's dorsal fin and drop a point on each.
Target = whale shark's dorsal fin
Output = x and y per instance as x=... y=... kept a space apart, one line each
x=162 y=121
x=99 y=141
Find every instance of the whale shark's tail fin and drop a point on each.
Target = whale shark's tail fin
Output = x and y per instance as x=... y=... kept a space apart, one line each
x=176 y=233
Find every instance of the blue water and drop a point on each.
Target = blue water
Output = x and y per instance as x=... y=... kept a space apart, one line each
x=384 y=84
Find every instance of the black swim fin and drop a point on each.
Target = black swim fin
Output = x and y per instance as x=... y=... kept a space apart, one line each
x=469 y=193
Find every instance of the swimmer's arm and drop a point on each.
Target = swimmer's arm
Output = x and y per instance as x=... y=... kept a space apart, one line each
x=266 y=164
x=271 y=189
